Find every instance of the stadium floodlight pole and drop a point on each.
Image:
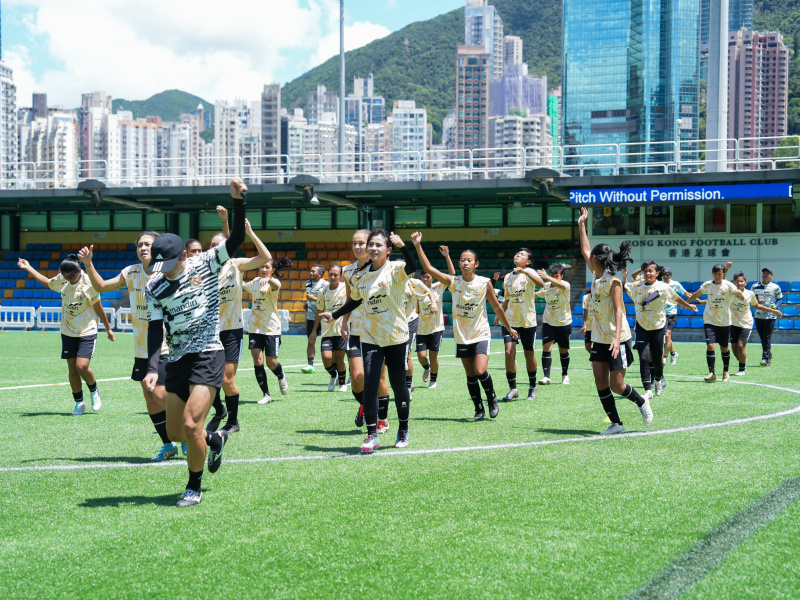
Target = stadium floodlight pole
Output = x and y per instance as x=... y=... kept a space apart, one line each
x=341 y=91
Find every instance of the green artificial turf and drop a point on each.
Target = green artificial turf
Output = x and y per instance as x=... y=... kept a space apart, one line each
x=296 y=512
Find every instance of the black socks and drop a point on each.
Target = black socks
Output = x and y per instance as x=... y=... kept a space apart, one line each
x=512 y=380
x=261 y=378
x=160 y=423
x=609 y=406
x=564 y=363
x=547 y=360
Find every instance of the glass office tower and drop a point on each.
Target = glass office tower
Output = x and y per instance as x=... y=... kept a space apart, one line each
x=630 y=71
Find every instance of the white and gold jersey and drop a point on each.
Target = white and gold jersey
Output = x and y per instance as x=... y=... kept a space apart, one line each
x=470 y=321
x=136 y=280
x=431 y=322
x=415 y=290
x=740 y=310
x=718 y=305
x=78 y=318
x=357 y=316
x=230 y=297
x=557 y=310
x=520 y=291
x=653 y=316
x=264 y=317
x=383 y=295
x=329 y=301
x=604 y=326
x=588 y=311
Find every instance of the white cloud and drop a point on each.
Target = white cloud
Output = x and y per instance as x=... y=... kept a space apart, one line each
x=135 y=48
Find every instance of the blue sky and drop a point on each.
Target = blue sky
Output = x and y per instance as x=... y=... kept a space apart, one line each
x=135 y=48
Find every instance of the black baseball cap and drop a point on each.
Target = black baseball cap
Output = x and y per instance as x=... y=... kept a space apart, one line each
x=766 y=270
x=667 y=271
x=165 y=253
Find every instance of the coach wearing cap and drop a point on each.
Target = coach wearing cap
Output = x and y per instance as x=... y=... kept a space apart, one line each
x=768 y=294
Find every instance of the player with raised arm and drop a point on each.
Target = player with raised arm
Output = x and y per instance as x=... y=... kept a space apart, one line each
x=557 y=319
x=611 y=347
x=471 y=323
x=80 y=306
x=333 y=345
x=742 y=319
x=314 y=287
x=431 y=324
x=183 y=296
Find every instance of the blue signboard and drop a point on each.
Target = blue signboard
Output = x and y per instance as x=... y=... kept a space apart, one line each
x=697 y=194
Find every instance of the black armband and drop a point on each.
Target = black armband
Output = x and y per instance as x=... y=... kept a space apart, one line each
x=346 y=308
x=236 y=238
x=155 y=339
x=411 y=262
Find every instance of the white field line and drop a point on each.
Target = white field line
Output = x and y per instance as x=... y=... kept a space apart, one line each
x=595 y=438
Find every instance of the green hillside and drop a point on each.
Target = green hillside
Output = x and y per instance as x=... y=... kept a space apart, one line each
x=168 y=105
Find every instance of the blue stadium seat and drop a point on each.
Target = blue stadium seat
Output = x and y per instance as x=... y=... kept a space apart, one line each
x=682 y=323
x=697 y=323
x=792 y=299
x=578 y=309
x=784 y=285
x=696 y=285
x=795 y=286
x=631 y=322
x=630 y=310
x=790 y=311
x=785 y=323
x=627 y=299
x=797 y=324
x=687 y=285
x=577 y=322
x=701 y=308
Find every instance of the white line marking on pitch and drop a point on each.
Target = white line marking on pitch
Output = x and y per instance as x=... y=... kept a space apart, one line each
x=594 y=438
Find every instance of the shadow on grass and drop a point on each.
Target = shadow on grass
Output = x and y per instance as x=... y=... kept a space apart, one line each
x=449 y=419
x=339 y=433
x=118 y=501
x=583 y=432
x=344 y=450
x=49 y=414
x=106 y=459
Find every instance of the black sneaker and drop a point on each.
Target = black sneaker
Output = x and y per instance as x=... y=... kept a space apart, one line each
x=479 y=412
x=190 y=498
x=231 y=427
x=213 y=424
x=215 y=456
x=494 y=408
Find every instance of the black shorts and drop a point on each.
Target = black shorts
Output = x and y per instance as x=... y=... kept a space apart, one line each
x=740 y=334
x=195 y=368
x=671 y=319
x=140 y=369
x=310 y=328
x=558 y=334
x=333 y=344
x=429 y=341
x=716 y=334
x=588 y=337
x=354 y=346
x=232 y=340
x=469 y=350
x=602 y=353
x=527 y=335
x=413 y=326
x=270 y=344
x=78 y=347
x=652 y=338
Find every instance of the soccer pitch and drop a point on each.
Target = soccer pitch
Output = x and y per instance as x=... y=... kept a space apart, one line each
x=533 y=504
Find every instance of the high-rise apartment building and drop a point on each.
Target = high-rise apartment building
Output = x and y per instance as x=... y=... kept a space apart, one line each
x=409 y=136
x=758 y=91
x=9 y=143
x=95 y=107
x=484 y=27
x=237 y=138
x=472 y=98
x=740 y=14
x=271 y=129
x=517 y=89
x=318 y=103
x=554 y=112
x=512 y=51
x=49 y=144
x=510 y=133
x=630 y=72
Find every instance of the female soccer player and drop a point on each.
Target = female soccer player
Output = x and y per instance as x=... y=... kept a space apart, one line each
x=471 y=324
x=519 y=294
x=672 y=314
x=314 y=287
x=717 y=318
x=742 y=319
x=333 y=345
x=415 y=290
x=650 y=297
x=588 y=319
x=80 y=302
x=231 y=322
x=611 y=347
x=380 y=286
x=193 y=247
x=557 y=319
x=265 y=324
x=431 y=326
x=135 y=277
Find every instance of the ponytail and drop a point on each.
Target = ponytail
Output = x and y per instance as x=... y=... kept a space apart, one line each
x=613 y=261
x=279 y=264
x=70 y=266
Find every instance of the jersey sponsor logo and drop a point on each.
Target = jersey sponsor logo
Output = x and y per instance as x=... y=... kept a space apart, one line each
x=197 y=281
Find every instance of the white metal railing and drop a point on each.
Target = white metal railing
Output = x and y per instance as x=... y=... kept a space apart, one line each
x=124 y=320
x=17 y=317
x=50 y=317
x=418 y=165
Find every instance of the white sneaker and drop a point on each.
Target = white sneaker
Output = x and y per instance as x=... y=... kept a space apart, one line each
x=613 y=428
x=343 y=387
x=512 y=393
x=740 y=373
x=565 y=380
x=673 y=360
x=763 y=362
x=710 y=378
x=266 y=399
x=647 y=412
x=79 y=408
x=332 y=384
x=726 y=376
x=663 y=360
x=658 y=388
x=433 y=385
x=284 y=385
x=544 y=381
x=426 y=373
x=96 y=403
x=648 y=395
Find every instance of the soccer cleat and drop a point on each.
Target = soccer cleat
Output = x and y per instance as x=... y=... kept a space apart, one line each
x=284 y=385
x=79 y=408
x=184 y=448
x=383 y=426
x=494 y=407
x=647 y=412
x=343 y=387
x=96 y=403
x=726 y=376
x=710 y=378
x=190 y=498
x=266 y=399
x=663 y=383
x=426 y=373
x=531 y=393
x=613 y=428
x=332 y=384
x=213 y=424
x=741 y=372
x=402 y=439
x=479 y=413
x=769 y=361
x=544 y=381
x=648 y=394
x=166 y=452
x=673 y=359
x=433 y=385
x=360 y=416
x=371 y=443
x=663 y=360
x=565 y=380
x=659 y=389
x=763 y=362
x=307 y=369
x=215 y=456
x=512 y=393
x=231 y=427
